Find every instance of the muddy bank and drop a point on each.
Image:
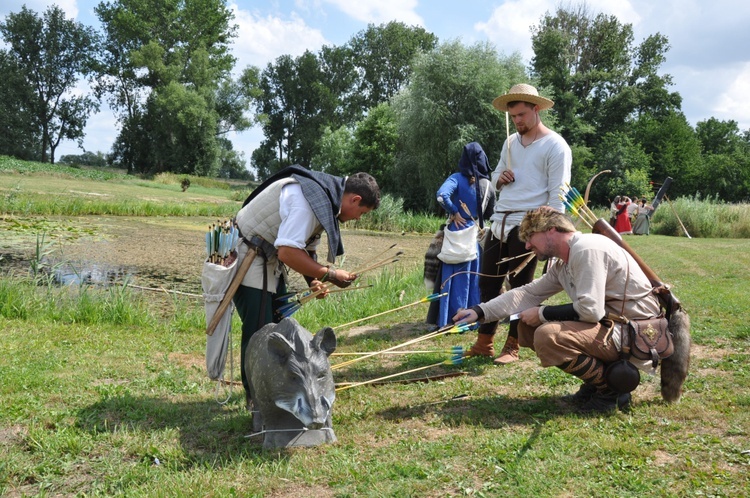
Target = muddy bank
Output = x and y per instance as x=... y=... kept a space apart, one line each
x=156 y=252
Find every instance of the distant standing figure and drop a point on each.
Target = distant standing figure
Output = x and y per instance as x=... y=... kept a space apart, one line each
x=632 y=209
x=469 y=187
x=613 y=211
x=642 y=224
x=623 y=225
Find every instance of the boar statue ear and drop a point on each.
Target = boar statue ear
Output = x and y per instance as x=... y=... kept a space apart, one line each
x=280 y=347
x=325 y=340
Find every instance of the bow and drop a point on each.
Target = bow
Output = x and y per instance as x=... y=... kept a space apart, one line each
x=591 y=182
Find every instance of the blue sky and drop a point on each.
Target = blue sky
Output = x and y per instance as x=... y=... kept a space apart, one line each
x=709 y=58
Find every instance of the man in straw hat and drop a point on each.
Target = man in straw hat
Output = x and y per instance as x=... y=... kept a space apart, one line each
x=534 y=163
x=600 y=278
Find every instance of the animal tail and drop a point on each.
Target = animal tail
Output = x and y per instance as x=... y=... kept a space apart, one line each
x=674 y=370
x=431 y=261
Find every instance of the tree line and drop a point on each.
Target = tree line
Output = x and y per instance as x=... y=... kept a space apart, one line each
x=393 y=101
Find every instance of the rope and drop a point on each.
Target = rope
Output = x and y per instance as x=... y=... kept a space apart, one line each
x=219 y=382
x=162 y=289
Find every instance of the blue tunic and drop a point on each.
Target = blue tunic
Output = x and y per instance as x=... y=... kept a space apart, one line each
x=460 y=281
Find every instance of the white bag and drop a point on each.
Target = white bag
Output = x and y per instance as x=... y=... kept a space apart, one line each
x=459 y=246
x=215 y=281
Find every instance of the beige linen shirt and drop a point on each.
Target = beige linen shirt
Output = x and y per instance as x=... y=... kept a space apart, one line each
x=600 y=278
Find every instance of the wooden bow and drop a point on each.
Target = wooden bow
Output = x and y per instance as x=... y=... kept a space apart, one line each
x=588 y=190
x=591 y=182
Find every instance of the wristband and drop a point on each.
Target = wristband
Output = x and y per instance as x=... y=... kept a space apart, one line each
x=541 y=314
x=326 y=275
x=479 y=311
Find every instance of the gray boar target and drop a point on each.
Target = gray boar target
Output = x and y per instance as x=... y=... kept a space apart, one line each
x=291 y=384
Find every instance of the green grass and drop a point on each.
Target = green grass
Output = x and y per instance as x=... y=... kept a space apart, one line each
x=97 y=386
x=25 y=189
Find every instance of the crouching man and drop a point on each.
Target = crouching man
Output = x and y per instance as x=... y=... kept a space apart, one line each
x=601 y=279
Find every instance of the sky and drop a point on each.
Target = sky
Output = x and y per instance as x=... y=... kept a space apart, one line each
x=709 y=59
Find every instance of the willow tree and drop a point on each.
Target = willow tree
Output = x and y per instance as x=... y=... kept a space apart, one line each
x=448 y=103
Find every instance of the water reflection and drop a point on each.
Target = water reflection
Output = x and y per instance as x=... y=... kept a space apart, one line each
x=76 y=273
x=90 y=274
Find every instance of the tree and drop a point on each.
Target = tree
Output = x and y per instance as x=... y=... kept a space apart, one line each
x=629 y=166
x=19 y=134
x=369 y=147
x=448 y=103
x=296 y=106
x=303 y=97
x=88 y=158
x=599 y=80
x=335 y=152
x=166 y=69
x=383 y=57
x=725 y=171
x=339 y=76
x=673 y=149
x=233 y=98
x=52 y=53
x=375 y=146
x=232 y=162
x=718 y=137
x=264 y=162
x=183 y=131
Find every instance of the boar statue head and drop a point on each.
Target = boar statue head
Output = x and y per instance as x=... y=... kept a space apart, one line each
x=291 y=384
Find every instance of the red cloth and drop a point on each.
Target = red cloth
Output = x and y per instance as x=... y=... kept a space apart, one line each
x=622 y=225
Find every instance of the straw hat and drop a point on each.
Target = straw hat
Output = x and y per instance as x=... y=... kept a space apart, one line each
x=522 y=93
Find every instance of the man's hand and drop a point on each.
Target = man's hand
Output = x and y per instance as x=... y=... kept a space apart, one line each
x=341 y=278
x=465 y=316
x=530 y=317
x=315 y=286
x=506 y=177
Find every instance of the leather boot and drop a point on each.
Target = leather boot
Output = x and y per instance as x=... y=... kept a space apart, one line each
x=483 y=347
x=602 y=399
x=584 y=393
x=606 y=401
x=509 y=354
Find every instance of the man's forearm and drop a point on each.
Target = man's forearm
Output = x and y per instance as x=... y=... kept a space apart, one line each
x=300 y=261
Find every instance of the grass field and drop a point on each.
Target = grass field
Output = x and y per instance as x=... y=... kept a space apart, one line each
x=106 y=395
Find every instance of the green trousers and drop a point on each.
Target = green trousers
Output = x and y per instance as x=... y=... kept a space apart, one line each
x=249 y=302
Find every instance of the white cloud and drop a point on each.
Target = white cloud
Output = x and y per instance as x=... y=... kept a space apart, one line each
x=381 y=11
x=101 y=131
x=624 y=11
x=733 y=103
x=70 y=7
x=508 y=26
x=261 y=40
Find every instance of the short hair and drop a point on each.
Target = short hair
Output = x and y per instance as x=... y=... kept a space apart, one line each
x=541 y=220
x=514 y=103
x=365 y=186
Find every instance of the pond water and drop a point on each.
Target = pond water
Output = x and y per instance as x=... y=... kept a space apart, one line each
x=154 y=252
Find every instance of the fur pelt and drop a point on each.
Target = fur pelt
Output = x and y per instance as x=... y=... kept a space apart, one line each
x=674 y=370
x=431 y=261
